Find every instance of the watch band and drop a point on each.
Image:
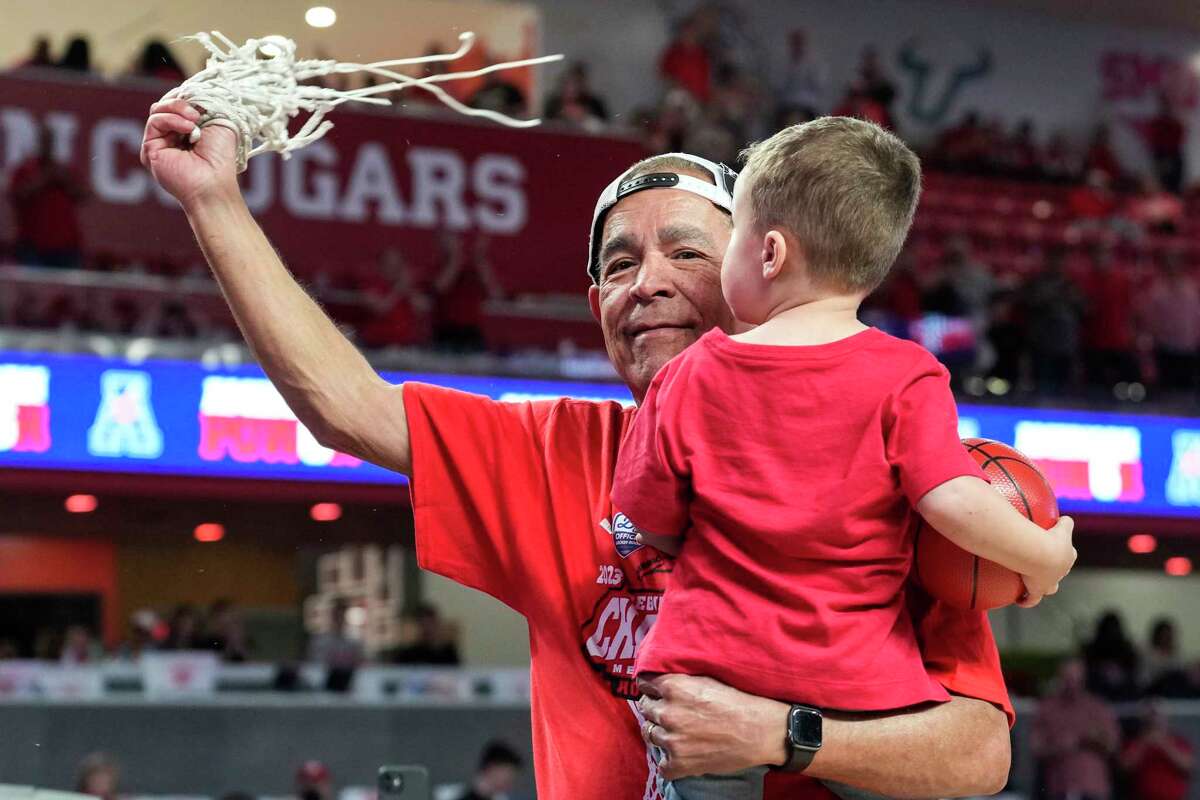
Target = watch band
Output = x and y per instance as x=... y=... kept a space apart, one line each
x=798 y=758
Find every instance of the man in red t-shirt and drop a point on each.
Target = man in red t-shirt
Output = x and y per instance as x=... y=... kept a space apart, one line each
x=513 y=499
x=1159 y=762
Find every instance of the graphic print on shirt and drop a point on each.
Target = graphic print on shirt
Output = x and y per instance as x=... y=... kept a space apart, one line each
x=624 y=614
x=623 y=533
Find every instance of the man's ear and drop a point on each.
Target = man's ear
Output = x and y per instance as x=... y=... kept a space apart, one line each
x=774 y=254
x=594 y=300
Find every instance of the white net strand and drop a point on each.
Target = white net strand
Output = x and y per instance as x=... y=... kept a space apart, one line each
x=255 y=89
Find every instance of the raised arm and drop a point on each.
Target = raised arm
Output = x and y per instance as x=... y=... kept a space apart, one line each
x=331 y=388
x=951 y=749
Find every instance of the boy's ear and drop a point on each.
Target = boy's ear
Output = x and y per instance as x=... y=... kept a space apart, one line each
x=774 y=254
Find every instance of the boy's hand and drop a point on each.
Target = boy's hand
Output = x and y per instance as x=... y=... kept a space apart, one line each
x=669 y=545
x=1063 y=556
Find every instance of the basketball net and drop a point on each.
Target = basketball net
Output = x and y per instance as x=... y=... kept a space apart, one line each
x=257 y=88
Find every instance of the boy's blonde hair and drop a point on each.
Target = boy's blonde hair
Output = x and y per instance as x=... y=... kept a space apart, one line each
x=846 y=189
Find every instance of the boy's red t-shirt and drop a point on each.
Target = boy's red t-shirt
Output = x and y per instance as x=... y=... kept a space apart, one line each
x=513 y=499
x=794 y=472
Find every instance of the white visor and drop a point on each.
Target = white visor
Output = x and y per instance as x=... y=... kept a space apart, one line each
x=719 y=193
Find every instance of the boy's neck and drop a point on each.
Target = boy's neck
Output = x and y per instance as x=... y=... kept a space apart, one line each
x=822 y=321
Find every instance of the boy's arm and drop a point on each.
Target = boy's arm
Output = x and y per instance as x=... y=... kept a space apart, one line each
x=971 y=514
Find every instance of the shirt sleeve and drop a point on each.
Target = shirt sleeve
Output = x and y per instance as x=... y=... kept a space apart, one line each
x=959 y=651
x=922 y=441
x=651 y=486
x=476 y=466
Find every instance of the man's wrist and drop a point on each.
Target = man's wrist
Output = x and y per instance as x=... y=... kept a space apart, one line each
x=774 y=741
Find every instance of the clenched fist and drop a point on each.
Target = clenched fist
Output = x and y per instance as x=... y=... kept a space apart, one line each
x=191 y=173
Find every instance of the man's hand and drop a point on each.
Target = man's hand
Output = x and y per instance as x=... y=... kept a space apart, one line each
x=706 y=727
x=189 y=172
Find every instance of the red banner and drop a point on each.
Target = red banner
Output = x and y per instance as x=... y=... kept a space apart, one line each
x=377 y=180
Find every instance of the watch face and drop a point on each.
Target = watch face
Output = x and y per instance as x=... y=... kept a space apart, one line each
x=805 y=728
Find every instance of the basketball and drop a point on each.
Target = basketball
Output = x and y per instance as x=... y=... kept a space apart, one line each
x=967 y=581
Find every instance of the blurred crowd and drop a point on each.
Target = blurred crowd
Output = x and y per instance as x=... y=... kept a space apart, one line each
x=1086 y=749
x=1112 y=307
x=427 y=638
x=495 y=776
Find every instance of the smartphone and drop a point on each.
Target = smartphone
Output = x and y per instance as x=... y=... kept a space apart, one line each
x=403 y=783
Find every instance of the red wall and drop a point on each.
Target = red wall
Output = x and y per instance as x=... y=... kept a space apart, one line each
x=46 y=564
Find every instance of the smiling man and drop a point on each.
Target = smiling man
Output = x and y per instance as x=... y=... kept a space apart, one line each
x=513 y=499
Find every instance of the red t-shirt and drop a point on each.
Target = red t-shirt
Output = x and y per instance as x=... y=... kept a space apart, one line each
x=690 y=67
x=1110 y=312
x=794 y=472
x=1157 y=777
x=513 y=499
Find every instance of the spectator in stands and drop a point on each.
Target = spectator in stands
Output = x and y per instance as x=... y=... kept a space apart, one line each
x=806 y=80
x=1019 y=154
x=80 y=647
x=1074 y=735
x=427 y=638
x=78 y=57
x=45 y=197
x=1053 y=311
x=1153 y=208
x=501 y=95
x=1060 y=163
x=146 y=632
x=157 y=62
x=39 y=57
x=1172 y=318
x=1109 y=324
x=1158 y=761
x=736 y=103
x=183 y=629
x=962 y=147
x=336 y=650
x=966 y=282
x=1111 y=660
x=462 y=287
x=1164 y=135
x=686 y=62
x=861 y=105
x=711 y=138
x=1006 y=334
x=499 y=767
x=1096 y=209
x=1163 y=671
x=874 y=84
x=575 y=102
x=428 y=69
x=99 y=776
x=399 y=309
x=1101 y=157
x=313 y=781
x=225 y=631
x=166 y=318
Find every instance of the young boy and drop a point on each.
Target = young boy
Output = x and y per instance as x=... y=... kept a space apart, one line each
x=793 y=454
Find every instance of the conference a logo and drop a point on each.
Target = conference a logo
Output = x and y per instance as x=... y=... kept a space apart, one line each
x=125 y=426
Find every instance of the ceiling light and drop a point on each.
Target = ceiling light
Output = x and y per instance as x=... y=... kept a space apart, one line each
x=81 y=503
x=209 y=532
x=320 y=16
x=325 y=512
x=1142 y=543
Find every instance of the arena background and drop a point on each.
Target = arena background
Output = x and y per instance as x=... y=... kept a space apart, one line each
x=153 y=483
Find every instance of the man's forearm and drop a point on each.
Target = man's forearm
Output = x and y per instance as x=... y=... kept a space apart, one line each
x=946 y=750
x=322 y=376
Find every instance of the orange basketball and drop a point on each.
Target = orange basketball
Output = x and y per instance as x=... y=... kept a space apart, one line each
x=961 y=579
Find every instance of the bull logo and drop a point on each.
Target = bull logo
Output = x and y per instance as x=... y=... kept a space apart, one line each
x=935 y=84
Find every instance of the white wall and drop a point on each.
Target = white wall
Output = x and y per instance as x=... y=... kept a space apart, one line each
x=1068 y=619
x=493 y=635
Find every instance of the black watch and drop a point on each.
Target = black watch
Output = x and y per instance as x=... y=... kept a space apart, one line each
x=803 y=737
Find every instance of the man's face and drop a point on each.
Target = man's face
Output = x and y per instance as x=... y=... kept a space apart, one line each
x=660 y=280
